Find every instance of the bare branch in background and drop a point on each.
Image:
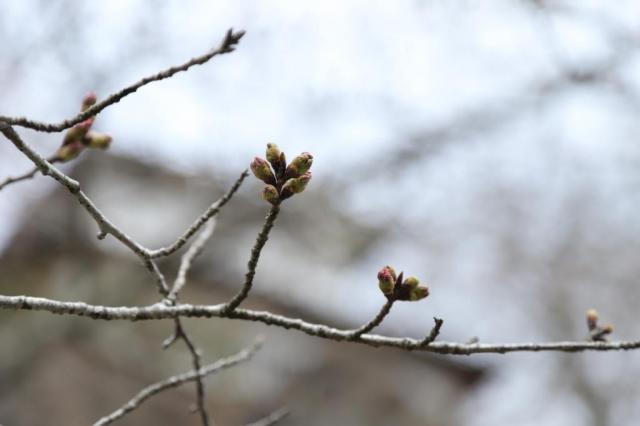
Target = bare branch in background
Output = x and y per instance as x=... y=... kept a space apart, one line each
x=228 y=45
x=200 y=221
x=175 y=381
x=272 y=418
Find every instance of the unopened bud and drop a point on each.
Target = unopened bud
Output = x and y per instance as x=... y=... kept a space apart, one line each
x=88 y=101
x=270 y=194
x=69 y=151
x=419 y=292
x=387 y=280
x=592 y=319
x=299 y=165
x=77 y=133
x=276 y=158
x=97 y=140
x=411 y=282
x=295 y=185
x=262 y=171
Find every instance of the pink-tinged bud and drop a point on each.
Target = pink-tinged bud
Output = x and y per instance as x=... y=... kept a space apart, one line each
x=77 y=132
x=419 y=292
x=69 y=151
x=299 y=165
x=592 y=319
x=97 y=140
x=295 y=185
x=276 y=158
x=386 y=280
x=270 y=194
x=88 y=101
x=262 y=171
x=411 y=282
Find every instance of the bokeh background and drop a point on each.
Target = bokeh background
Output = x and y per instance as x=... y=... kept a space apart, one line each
x=486 y=147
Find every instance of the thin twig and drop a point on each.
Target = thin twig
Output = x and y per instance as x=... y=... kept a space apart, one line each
x=227 y=45
x=435 y=331
x=180 y=333
x=187 y=259
x=196 y=360
x=263 y=236
x=178 y=380
x=200 y=221
x=384 y=311
x=29 y=175
x=272 y=418
x=162 y=311
x=105 y=226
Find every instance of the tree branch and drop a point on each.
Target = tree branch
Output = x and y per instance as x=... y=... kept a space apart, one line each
x=272 y=418
x=162 y=311
x=435 y=331
x=175 y=381
x=384 y=311
x=263 y=236
x=227 y=45
x=200 y=221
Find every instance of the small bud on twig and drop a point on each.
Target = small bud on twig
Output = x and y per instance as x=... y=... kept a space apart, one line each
x=387 y=280
x=270 y=194
x=285 y=181
x=295 y=185
x=88 y=101
x=299 y=165
x=597 y=333
x=276 y=158
x=262 y=171
x=396 y=288
x=97 y=140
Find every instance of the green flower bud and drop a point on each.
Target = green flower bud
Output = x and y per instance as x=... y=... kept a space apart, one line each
x=262 y=171
x=69 y=151
x=419 y=292
x=592 y=319
x=270 y=194
x=275 y=157
x=295 y=185
x=411 y=282
x=386 y=280
x=77 y=132
x=97 y=140
x=88 y=101
x=299 y=165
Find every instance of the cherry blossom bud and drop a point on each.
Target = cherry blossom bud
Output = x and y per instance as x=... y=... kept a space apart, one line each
x=276 y=158
x=592 y=319
x=270 y=194
x=299 y=165
x=262 y=171
x=97 y=140
x=386 y=280
x=88 y=101
x=411 y=282
x=69 y=151
x=419 y=292
x=295 y=185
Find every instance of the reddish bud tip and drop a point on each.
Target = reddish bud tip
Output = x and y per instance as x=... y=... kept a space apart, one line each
x=262 y=171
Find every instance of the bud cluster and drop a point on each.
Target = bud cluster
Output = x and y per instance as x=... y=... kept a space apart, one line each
x=283 y=181
x=394 y=287
x=81 y=136
x=597 y=333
